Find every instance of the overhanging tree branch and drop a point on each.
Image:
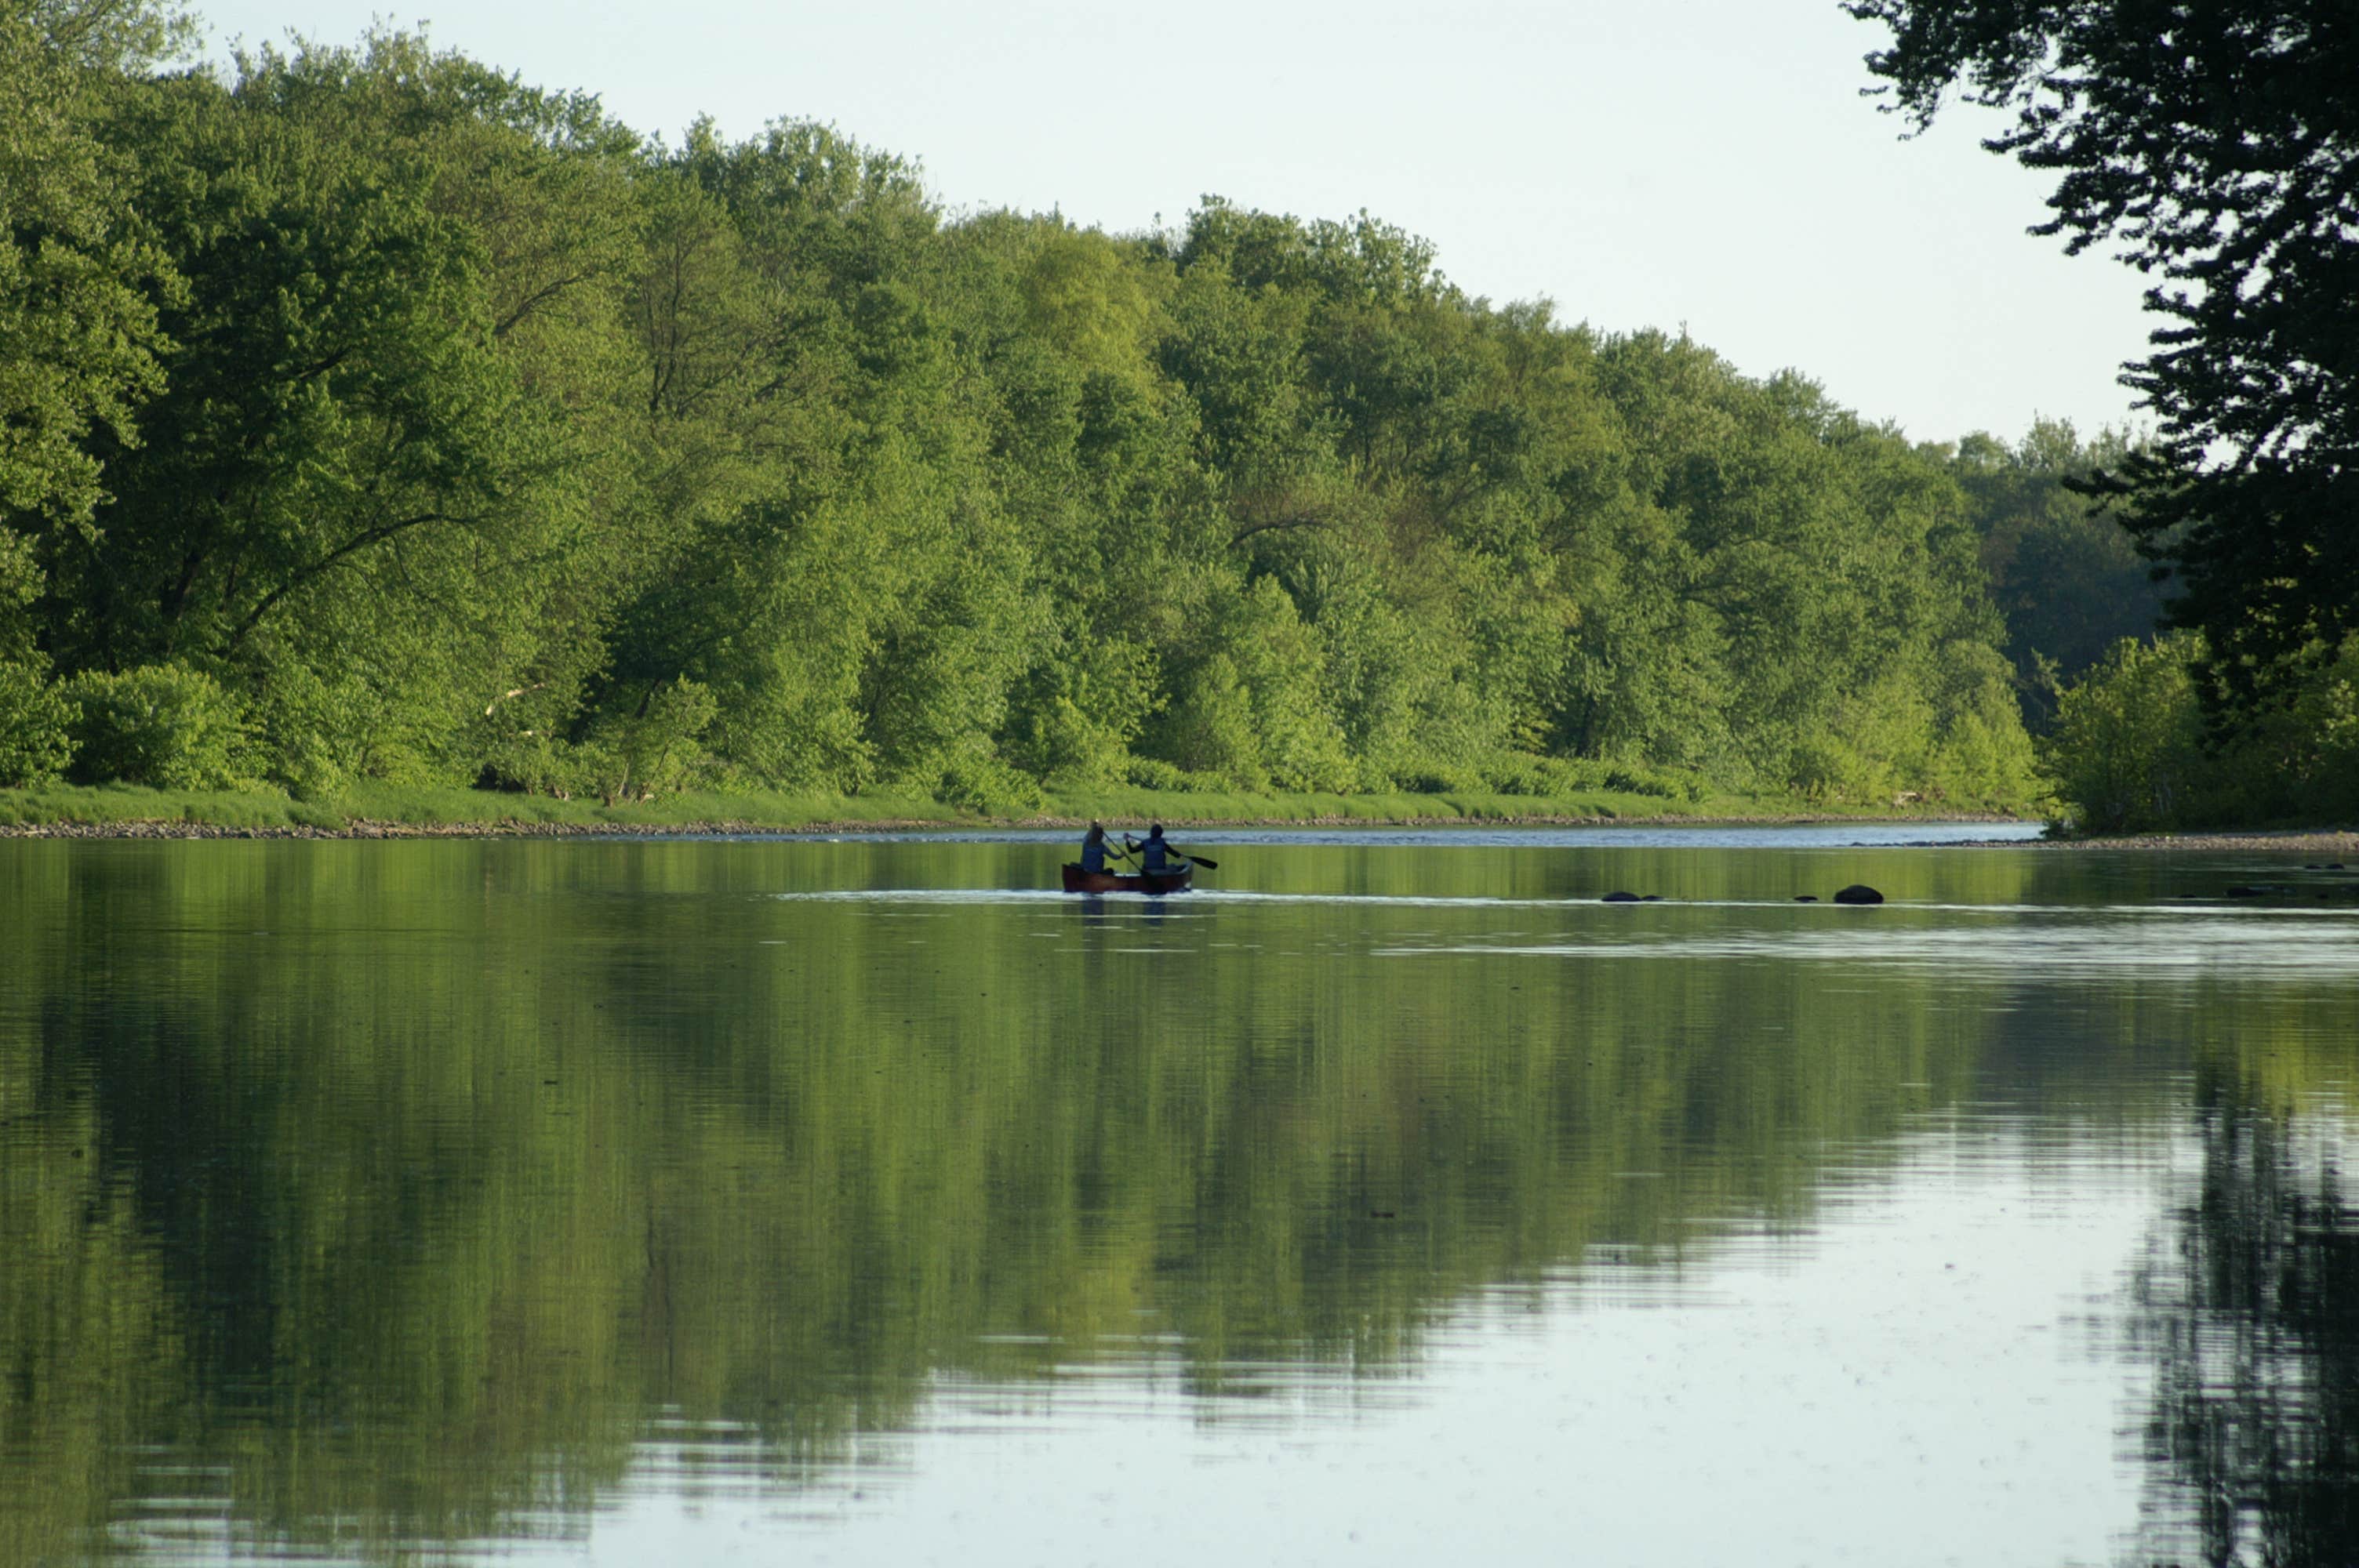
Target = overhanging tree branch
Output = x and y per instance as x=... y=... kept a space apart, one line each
x=328 y=562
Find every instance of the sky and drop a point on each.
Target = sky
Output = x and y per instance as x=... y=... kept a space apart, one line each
x=1701 y=163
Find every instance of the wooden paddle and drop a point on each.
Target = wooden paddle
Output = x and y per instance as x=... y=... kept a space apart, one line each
x=1196 y=859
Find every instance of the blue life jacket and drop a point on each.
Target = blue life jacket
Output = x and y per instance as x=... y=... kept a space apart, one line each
x=1151 y=856
x=1094 y=854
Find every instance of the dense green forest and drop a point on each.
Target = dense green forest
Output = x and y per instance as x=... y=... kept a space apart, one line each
x=372 y=415
x=2066 y=577
x=370 y=419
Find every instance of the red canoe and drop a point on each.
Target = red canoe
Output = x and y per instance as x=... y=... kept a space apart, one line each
x=1080 y=881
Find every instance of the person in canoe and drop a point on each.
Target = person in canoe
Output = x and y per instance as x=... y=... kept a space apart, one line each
x=1155 y=855
x=1161 y=868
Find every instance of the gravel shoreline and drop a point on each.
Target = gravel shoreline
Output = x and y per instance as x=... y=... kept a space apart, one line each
x=2317 y=840
x=360 y=827
x=2337 y=841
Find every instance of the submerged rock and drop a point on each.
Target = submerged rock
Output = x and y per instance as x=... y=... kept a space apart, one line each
x=1859 y=893
x=1806 y=898
x=1620 y=898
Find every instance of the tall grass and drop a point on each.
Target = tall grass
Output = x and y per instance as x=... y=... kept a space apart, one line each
x=1120 y=805
x=460 y=809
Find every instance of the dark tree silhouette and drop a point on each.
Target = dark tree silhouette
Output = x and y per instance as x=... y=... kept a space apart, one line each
x=2217 y=143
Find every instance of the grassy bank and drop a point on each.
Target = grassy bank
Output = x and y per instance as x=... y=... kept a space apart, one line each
x=130 y=810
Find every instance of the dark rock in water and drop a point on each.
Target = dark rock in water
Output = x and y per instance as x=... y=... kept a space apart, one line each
x=1859 y=893
x=1652 y=898
x=2251 y=890
x=1620 y=898
x=1806 y=898
x=2335 y=865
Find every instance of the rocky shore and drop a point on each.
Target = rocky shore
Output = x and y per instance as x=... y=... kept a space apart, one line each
x=2340 y=843
x=365 y=827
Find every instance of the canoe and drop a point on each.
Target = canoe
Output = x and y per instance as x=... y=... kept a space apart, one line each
x=1080 y=881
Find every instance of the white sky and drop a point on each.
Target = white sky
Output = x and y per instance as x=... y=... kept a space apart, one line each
x=1699 y=162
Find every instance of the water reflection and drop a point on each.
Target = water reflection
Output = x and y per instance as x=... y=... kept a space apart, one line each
x=368 y=1199
x=2249 y=1318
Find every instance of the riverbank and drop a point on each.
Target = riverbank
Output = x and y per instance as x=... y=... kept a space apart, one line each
x=114 y=813
x=119 y=812
x=2319 y=840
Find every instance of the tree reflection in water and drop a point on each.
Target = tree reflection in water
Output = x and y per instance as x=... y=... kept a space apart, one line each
x=2248 y=1309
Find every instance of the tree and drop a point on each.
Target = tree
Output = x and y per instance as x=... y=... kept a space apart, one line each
x=361 y=494
x=79 y=337
x=2125 y=747
x=2064 y=573
x=78 y=334
x=2217 y=141
x=481 y=438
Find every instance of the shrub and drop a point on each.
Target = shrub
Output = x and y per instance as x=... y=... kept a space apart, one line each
x=1209 y=728
x=2127 y=752
x=979 y=779
x=2296 y=757
x=2130 y=749
x=36 y=721
x=1632 y=780
x=657 y=749
x=1981 y=752
x=160 y=725
x=1435 y=781
x=1250 y=710
x=1075 y=716
x=1154 y=773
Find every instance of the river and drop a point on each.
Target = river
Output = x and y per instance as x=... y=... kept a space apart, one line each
x=1388 y=1199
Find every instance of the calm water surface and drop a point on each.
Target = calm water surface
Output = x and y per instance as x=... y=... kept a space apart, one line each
x=1391 y=1200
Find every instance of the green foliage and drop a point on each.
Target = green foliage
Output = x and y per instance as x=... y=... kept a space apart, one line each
x=2127 y=751
x=655 y=750
x=357 y=502
x=2063 y=571
x=36 y=721
x=1980 y=752
x=1074 y=717
x=77 y=327
x=20 y=587
x=2294 y=756
x=1210 y=730
x=977 y=778
x=2131 y=750
x=482 y=441
x=164 y=726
